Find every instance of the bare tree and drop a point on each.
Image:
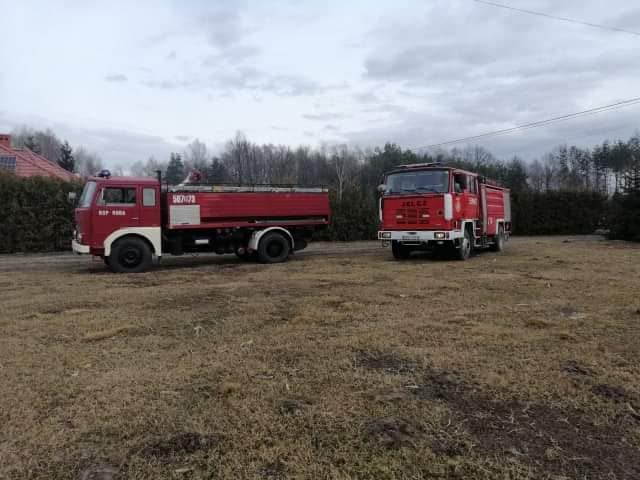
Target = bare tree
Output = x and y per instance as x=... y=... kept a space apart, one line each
x=137 y=169
x=344 y=164
x=195 y=156
x=477 y=155
x=45 y=143
x=536 y=175
x=87 y=163
x=235 y=158
x=551 y=167
x=49 y=144
x=152 y=166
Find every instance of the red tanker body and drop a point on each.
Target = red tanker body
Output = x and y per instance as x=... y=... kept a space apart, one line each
x=426 y=206
x=127 y=220
x=235 y=207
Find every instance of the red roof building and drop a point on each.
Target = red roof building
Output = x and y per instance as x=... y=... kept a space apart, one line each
x=25 y=163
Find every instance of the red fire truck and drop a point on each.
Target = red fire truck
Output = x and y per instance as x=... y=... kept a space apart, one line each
x=427 y=206
x=127 y=220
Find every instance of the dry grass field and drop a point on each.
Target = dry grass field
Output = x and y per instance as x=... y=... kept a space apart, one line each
x=341 y=363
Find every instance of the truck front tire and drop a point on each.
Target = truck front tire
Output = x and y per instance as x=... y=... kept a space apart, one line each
x=400 y=251
x=274 y=247
x=463 y=251
x=130 y=255
x=498 y=241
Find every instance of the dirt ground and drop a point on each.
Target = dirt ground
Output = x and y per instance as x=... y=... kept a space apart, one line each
x=341 y=363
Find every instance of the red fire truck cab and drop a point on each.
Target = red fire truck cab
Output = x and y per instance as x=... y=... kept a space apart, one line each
x=127 y=220
x=426 y=206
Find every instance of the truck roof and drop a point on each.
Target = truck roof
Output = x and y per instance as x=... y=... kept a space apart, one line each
x=126 y=180
x=439 y=166
x=427 y=166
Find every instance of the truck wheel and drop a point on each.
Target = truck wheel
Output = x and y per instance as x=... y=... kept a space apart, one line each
x=498 y=241
x=274 y=248
x=130 y=255
x=400 y=252
x=463 y=251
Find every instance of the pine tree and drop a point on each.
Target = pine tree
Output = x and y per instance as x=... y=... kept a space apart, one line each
x=175 y=170
x=65 y=158
x=632 y=177
x=217 y=172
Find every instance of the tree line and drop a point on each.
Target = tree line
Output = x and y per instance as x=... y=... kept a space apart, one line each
x=568 y=190
x=50 y=146
x=608 y=168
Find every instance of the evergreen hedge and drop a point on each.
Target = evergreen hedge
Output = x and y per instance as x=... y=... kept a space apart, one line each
x=36 y=216
x=624 y=220
x=533 y=213
x=35 y=213
x=558 y=212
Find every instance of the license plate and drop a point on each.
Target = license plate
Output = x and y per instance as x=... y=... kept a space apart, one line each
x=410 y=238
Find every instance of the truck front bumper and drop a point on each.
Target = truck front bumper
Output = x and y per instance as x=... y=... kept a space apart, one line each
x=79 y=248
x=413 y=237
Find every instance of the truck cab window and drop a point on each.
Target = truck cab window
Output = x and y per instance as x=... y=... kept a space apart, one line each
x=471 y=184
x=148 y=197
x=87 y=195
x=118 y=196
x=428 y=181
x=459 y=183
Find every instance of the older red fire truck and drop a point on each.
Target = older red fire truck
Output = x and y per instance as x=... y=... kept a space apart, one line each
x=127 y=220
x=427 y=206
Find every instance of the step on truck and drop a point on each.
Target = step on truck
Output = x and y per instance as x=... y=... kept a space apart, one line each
x=431 y=207
x=127 y=221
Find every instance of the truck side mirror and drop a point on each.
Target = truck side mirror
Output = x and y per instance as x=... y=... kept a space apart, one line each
x=71 y=197
x=382 y=188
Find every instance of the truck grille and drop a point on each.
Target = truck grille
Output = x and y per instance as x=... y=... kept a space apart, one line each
x=412 y=216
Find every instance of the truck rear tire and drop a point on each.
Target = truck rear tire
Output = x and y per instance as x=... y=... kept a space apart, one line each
x=498 y=241
x=130 y=255
x=274 y=247
x=463 y=251
x=400 y=252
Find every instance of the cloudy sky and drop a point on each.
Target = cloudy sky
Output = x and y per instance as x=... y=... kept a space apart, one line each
x=133 y=79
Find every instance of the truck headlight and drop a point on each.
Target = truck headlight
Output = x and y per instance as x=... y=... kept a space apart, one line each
x=441 y=235
x=386 y=235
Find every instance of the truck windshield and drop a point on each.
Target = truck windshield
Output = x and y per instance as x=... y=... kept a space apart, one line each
x=426 y=181
x=87 y=194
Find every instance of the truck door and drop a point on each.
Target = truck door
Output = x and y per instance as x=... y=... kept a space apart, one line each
x=149 y=206
x=470 y=205
x=117 y=207
x=465 y=196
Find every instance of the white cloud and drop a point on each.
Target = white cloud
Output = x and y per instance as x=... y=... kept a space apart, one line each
x=116 y=78
x=132 y=78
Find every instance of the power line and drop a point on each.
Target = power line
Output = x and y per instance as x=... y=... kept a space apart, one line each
x=554 y=17
x=540 y=123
